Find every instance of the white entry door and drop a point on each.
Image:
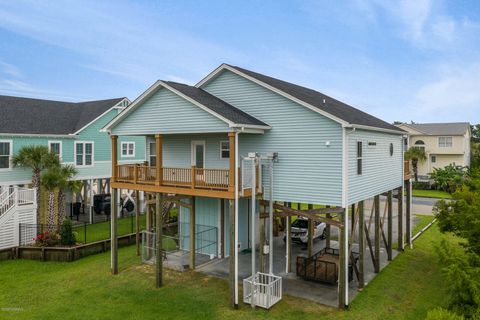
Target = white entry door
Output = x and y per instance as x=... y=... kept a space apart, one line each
x=198 y=154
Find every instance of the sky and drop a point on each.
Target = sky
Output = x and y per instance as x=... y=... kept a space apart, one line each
x=415 y=60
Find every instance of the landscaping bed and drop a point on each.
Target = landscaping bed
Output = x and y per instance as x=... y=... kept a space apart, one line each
x=72 y=253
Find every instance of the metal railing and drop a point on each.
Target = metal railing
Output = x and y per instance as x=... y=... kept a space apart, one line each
x=206 y=242
x=267 y=289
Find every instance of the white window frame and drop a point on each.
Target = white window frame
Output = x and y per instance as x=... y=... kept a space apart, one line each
x=60 y=149
x=10 y=167
x=84 y=154
x=192 y=151
x=127 y=143
x=359 y=158
x=150 y=155
x=221 y=149
x=445 y=142
x=433 y=157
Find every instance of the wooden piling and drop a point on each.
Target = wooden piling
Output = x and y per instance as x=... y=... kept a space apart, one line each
x=377 y=232
x=390 y=226
x=114 y=232
x=342 y=274
x=192 y=234
x=222 y=228
x=310 y=234
x=400 y=219
x=232 y=262
x=408 y=207
x=361 y=245
x=158 y=239
x=137 y=221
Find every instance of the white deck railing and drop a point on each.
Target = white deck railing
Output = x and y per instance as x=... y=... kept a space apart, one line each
x=267 y=290
x=16 y=197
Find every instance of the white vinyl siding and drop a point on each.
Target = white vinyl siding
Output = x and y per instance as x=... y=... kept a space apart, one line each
x=84 y=154
x=165 y=112
x=381 y=171
x=309 y=145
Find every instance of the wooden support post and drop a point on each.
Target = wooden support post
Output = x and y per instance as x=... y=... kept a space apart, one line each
x=289 y=243
x=353 y=216
x=361 y=244
x=222 y=228
x=159 y=238
x=328 y=231
x=310 y=234
x=113 y=232
x=114 y=157
x=377 y=232
x=159 y=159
x=390 y=226
x=137 y=221
x=232 y=261
x=193 y=245
x=400 y=219
x=342 y=274
x=231 y=166
x=408 y=209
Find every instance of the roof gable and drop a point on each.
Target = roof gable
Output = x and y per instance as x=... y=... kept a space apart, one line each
x=46 y=117
x=439 y=129
x=317 y=101
x=216 y=107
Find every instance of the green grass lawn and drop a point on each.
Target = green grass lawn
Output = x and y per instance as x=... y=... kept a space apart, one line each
x=101 y=231
x=84 y=289
x=431 y=194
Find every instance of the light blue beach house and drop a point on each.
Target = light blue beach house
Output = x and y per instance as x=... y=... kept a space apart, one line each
x=325 y=154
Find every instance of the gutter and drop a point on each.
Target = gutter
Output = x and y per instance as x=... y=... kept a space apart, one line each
x=359 y=126
x=70 y=136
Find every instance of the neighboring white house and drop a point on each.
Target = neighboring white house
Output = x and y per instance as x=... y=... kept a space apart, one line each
x=444 y=144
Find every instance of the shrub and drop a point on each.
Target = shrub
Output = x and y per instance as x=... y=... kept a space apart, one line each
x=419 y=185
x=47 y=239
x=462 y=270
x=67 y=235
x=442 y=314
x=449 y=178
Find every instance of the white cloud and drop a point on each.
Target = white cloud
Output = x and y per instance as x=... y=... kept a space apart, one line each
x=112 y=39
x=454 y=89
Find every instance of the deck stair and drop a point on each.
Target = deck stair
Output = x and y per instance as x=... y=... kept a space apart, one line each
x=17 y=205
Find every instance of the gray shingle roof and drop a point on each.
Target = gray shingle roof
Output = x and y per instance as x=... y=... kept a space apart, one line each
x=35 y=116
x=436 y=129
x=215 y=104
x=332 y=106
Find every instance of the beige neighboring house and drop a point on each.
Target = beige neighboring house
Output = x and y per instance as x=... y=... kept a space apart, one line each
x=444 y=144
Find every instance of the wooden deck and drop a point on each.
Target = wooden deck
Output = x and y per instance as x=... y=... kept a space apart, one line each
x=188 y=181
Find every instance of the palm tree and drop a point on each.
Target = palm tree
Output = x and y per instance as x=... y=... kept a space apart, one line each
x=37 y=158
x=67 y=172
x=51 y=181
x=415 y=155
x=59 y=177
